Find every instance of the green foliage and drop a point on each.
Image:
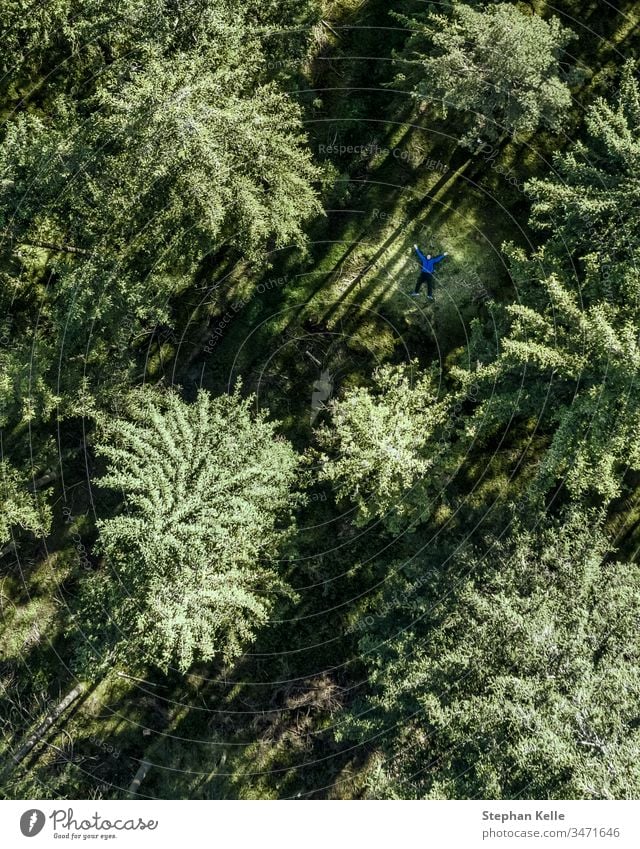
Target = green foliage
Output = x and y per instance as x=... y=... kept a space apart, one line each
x=162 y=171
x=573 y=371
x=187 y=571
x=571 y=355
x=20 y=508
x=203 y=160
x=114 y=196
x=381 y=446
x=517 y=675
x=589 y=204
x=28 y=31
x=154 y=165
x=75 y=42
x=497 y=67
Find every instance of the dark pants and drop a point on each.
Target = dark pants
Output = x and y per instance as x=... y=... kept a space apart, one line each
x=423 y=277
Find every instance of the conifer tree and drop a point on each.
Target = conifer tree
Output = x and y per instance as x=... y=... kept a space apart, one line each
x=589 y=206
x=20 y=507
x=509 y=673
x=570 y=358
x=381 y=451
x=114 y=200
x=187 y=570
x=497 y=68
x=570 y=370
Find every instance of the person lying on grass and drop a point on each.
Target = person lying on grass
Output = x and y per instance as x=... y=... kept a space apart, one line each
x=427 y=264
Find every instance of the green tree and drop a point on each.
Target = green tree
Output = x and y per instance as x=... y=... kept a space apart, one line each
x=27 y=34
x=187 y=570
x=589 y=204
x=381 y=446
x=74 y=43
x=569 y=360
x=497 y=67
x=112 y=201
x=511 y=673
x=163 y=171
x=20 y=507
x=569 y=371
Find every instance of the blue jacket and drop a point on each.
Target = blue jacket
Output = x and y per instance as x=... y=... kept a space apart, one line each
x=428 y=264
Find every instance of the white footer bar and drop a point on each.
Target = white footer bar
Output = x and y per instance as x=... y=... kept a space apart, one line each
x=320 y=825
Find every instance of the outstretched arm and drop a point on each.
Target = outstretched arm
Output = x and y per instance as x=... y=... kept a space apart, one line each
x=440 y=258
x=421 y=256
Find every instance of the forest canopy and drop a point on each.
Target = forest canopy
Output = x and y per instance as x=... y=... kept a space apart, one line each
x=319 y=400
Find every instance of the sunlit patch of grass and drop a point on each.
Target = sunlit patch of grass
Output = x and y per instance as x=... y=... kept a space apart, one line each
x=377 y=341
x=26 y=625
x=52 y=571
